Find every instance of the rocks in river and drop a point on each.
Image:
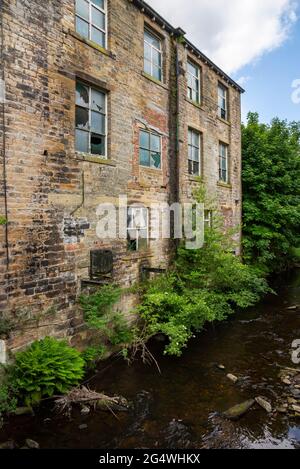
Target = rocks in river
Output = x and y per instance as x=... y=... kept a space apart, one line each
x=221 y=367
x=85 y=410
x=296 y=408
x=7 y=445
x=293 y=308
x=23 y=411
x=264 y=404
x=232 y=378
x=83 y=426
x=234 y=413
x=31 y=444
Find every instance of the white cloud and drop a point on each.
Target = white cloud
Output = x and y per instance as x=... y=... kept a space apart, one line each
x=232 y=33
x=243 y=80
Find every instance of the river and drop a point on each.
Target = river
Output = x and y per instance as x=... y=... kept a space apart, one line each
x=182 y=406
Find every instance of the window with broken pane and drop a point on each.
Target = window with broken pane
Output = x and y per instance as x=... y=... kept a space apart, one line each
x=223 y=163
x=150 y=149
x=193 y=82
x=137 y=228
x=91 y=19
x=152 y=55
x=222 y=101
x=194 y=152
x=90 y=120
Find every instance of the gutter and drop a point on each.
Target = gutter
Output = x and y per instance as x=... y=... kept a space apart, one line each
x=157 y=18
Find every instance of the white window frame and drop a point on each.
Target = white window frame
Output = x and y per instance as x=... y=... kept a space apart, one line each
x=191 y=145
x=221 y=158
x=160 y=51
x=195 y=79
x=208 y=218
x=223 y=95
x=89 y=130
x=90 y=23
x=138 y=228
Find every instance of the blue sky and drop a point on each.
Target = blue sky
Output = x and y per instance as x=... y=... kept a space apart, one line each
x=257 y=42
x=268 y=82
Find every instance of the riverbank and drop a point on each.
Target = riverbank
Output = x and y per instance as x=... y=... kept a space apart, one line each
x=182 y=406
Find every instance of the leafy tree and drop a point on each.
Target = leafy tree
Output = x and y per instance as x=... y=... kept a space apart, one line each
x=271 y=186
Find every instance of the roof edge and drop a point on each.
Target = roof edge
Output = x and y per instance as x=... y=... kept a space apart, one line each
x=176 y=32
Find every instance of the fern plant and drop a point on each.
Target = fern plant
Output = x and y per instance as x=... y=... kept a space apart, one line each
x=47 y=367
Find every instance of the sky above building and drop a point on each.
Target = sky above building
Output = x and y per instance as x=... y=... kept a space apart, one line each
x=257 y=42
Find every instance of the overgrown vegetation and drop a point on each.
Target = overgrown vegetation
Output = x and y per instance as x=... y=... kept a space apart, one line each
x=271 y=174
x=3 y=220
x=47 y=367
x=205 y=285
x=100 y=315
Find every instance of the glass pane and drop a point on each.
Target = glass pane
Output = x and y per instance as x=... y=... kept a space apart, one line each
x=156 y=72
x=147 y=51
x=193 y=69
x=99 y=3
x=98 y=123
x=98 y=101
x=153 y=40
x=144 y=157
x=98 y=37
x=196 y=138
x=190 y=167
x=132 y=233
x=156 y=57
x=98 y=18
x=82 y=141
x=155 y=143
x=82 y=118
x=82 y=9
x=196 y=168
x=190 y=152
x=190 y=137
x=155 y=160
x=82 y=95
x=144 y=139
x=195 y=154
x=97 y=144
x=147 y=66
x=82 y=27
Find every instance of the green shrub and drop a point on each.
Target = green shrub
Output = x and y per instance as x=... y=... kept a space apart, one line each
x=93 y=354
x=8 y=402
x=207 y=285
x=47 y=367
x=98 y=306
x=3 y=220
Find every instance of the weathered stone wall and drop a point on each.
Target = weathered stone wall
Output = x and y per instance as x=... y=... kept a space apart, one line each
x=53 y=192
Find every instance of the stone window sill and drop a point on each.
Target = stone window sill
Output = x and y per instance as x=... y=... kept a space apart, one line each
x=225 y=185
x=147 y=169
x=92 y=44
x=94 y=159
x=157 y=82
x=224 y=121
x=194 y=103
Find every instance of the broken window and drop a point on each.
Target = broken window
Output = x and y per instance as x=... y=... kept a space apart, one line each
x=137 y=228
x=222 y=102
x=91 y=20
x=90 y=120
x=223 y=163
x=150 y=149
x=193 y=81
x=152 y=55
x=194 y=152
